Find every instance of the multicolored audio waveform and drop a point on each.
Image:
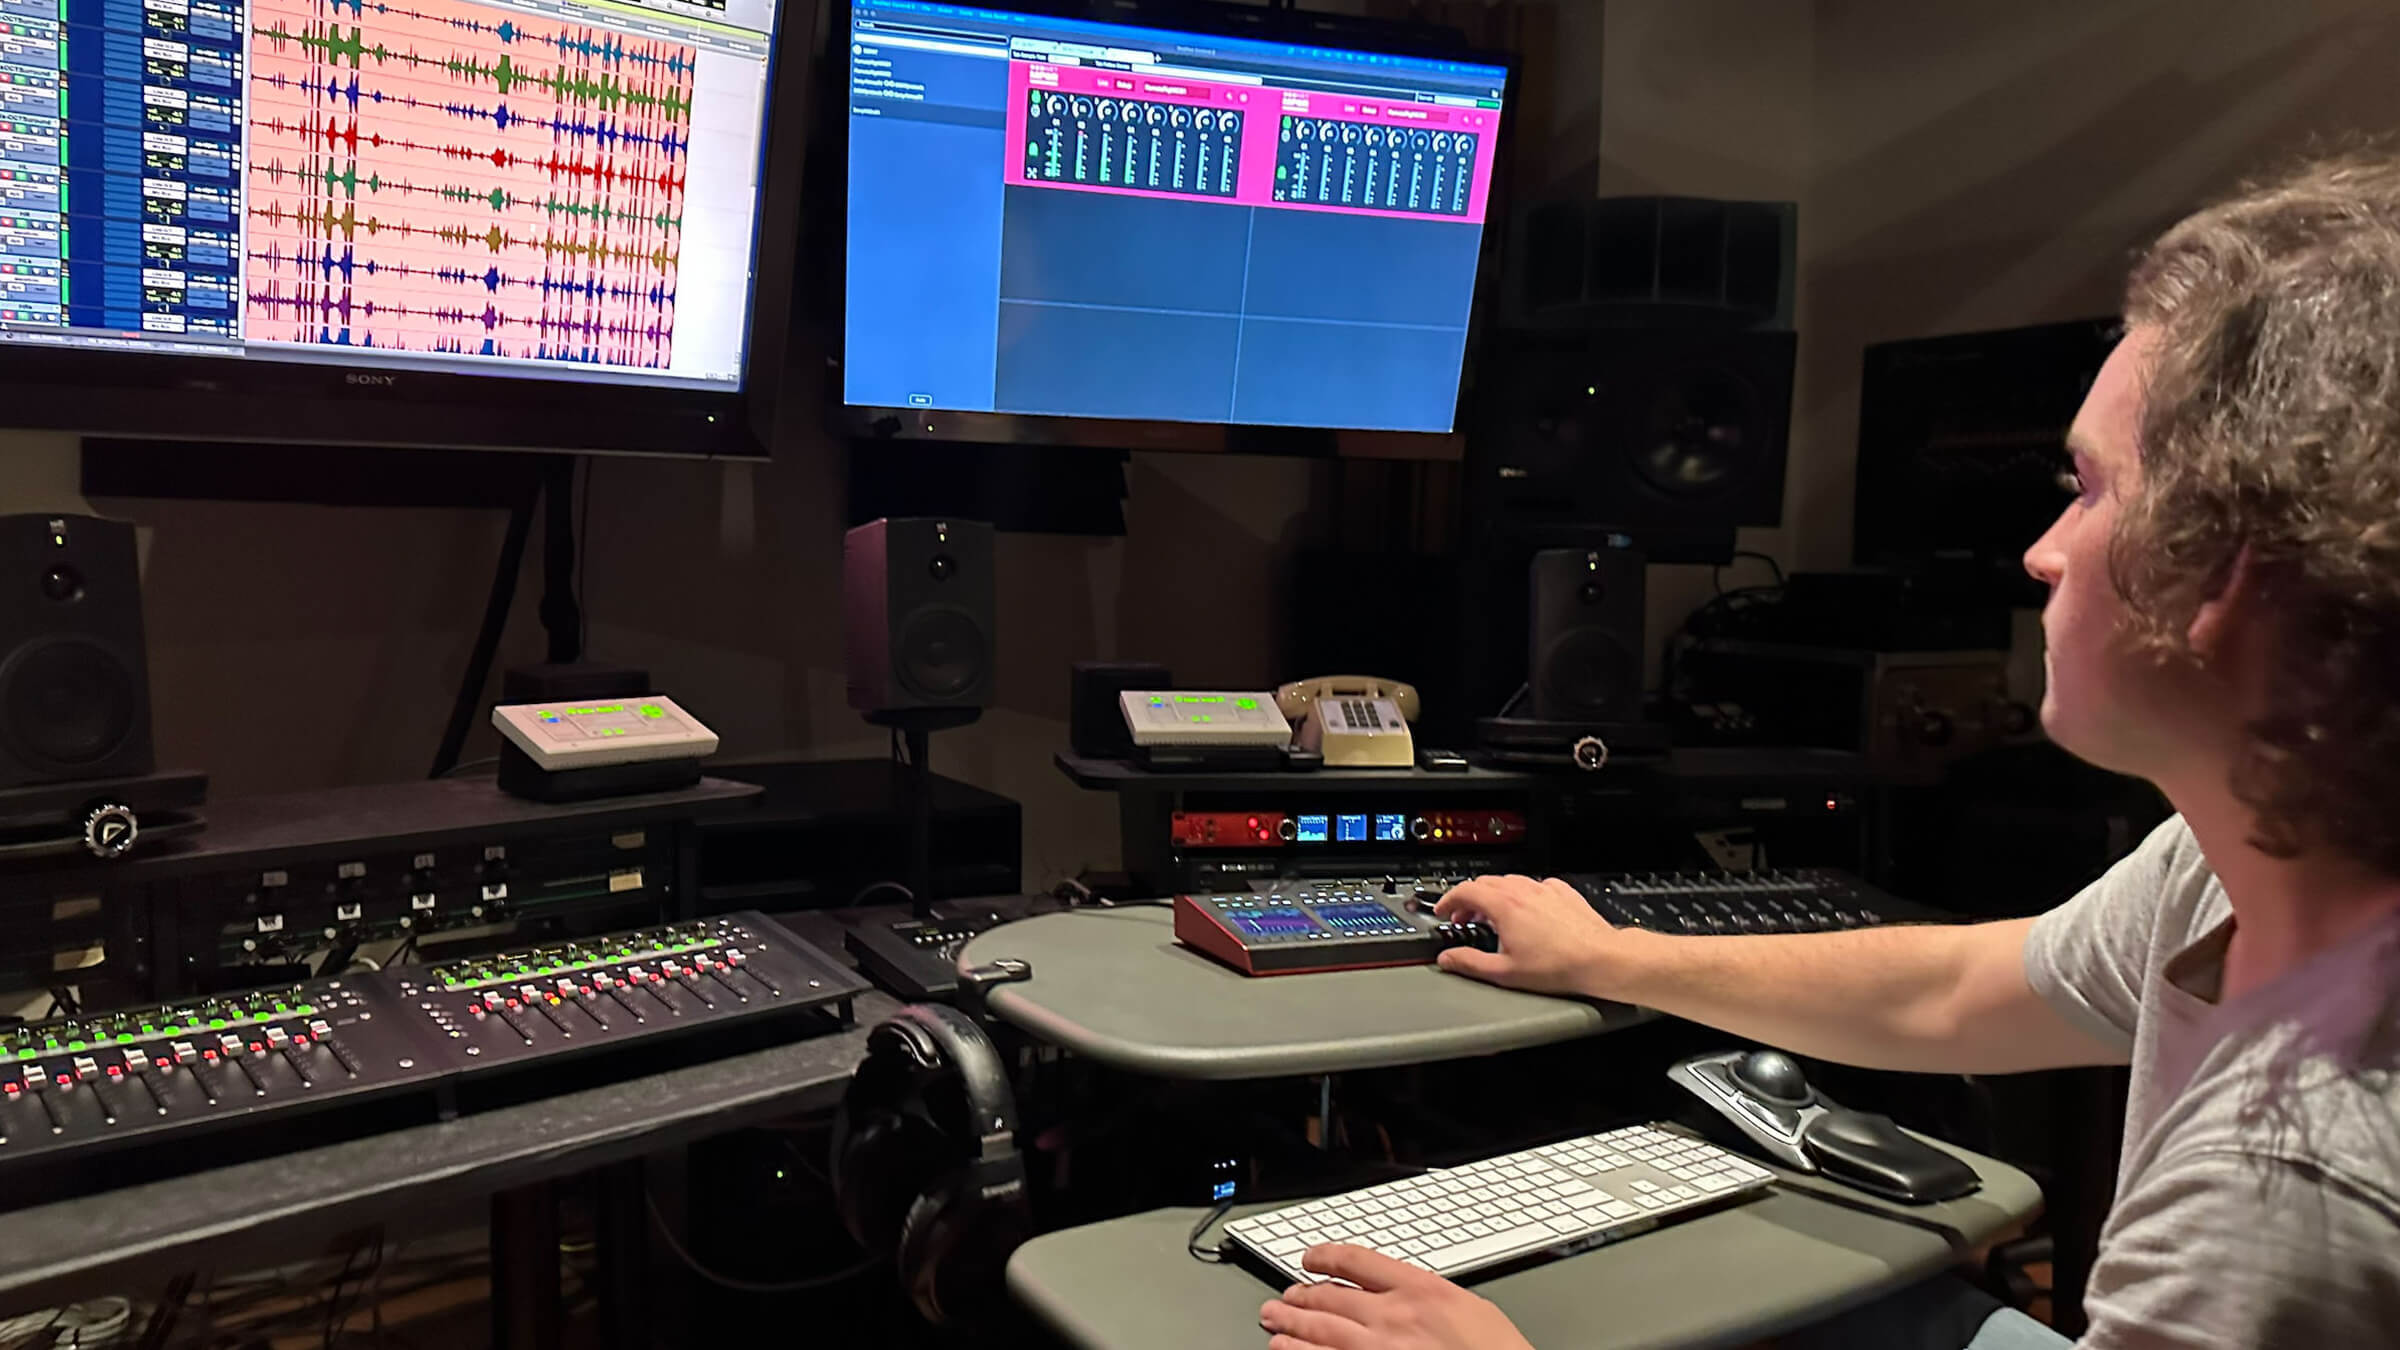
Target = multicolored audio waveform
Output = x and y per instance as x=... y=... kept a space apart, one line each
x=441 y=177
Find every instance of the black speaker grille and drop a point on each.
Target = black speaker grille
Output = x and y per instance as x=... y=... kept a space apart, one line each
x=67 y=702
x=1585 y=673
x=941 y=653
x=1702 y=434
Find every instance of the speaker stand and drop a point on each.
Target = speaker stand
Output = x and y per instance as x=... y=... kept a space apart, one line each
x=914 y=958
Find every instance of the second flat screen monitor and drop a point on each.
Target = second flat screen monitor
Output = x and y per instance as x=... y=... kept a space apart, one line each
x=1060 y=218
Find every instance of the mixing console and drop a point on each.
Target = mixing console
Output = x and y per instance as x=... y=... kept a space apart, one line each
x=406 y=1037
x=549 y=1001
x=187 y=1067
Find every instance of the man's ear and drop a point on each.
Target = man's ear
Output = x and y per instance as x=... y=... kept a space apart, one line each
x=2225 y=608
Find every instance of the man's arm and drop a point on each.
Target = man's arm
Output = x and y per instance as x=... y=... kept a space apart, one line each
x=1932 y=998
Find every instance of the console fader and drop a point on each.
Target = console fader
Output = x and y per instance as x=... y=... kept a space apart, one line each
x=407 y=1038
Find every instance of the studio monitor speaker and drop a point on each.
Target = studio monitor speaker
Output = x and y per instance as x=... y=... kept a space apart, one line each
x=1585 y=659
x=1674 y=436
x=918 y=614
x=74 y=678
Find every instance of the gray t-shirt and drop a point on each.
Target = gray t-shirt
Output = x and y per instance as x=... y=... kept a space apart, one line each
x=2258 y=1200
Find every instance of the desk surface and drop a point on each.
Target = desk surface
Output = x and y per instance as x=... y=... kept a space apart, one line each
x=1724 y=1278
x=1113 y=985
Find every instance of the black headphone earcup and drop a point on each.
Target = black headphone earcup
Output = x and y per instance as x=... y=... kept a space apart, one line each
x=878 y=1167
x=954 y=1250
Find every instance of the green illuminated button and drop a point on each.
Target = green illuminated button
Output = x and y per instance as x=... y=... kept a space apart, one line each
x=123 y=1039
x=653 y=710
x=75 y=1045
x=1245 y=704
x=25 y=1054
x=216 y=1024
x=304 y=1009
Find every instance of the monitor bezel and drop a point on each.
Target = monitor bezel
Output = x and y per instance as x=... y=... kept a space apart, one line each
x=140 y=395
x=872 y=422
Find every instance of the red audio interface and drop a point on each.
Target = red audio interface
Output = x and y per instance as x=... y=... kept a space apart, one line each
x=1255 y=830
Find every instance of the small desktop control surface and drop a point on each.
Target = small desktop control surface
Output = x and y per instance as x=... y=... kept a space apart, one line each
x=1320 y=925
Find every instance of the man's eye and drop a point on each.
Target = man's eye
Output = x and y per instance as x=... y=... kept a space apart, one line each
x=2070 y=482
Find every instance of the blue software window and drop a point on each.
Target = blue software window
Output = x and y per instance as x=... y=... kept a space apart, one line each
x=1064 y=218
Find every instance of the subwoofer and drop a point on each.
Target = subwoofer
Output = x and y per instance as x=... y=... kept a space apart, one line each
x=74 y=676
x=1585 y=657
x=919 y=614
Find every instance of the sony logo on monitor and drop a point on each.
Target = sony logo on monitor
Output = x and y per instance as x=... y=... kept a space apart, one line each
x=370 y=381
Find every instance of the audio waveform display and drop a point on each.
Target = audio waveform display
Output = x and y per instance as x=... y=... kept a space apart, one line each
x=441 y=177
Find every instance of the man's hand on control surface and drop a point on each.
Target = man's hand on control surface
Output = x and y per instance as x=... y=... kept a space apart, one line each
x=1394 y=1307
x=1551 y=941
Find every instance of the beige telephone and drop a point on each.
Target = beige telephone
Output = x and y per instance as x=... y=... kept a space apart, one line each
x=1354 y=721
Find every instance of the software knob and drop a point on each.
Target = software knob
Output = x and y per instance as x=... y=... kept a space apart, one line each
x=1056 y=105
x=1108 y=107
x=1083 y=107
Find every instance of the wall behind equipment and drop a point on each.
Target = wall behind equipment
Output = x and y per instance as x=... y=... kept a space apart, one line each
x=1958 y=166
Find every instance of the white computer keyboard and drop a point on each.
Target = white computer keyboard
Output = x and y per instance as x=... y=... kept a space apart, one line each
x=1558 y=1198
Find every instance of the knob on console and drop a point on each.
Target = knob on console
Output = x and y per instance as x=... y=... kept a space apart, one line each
x=1773 y=1076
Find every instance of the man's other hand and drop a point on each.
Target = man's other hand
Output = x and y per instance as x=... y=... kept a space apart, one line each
x=1393 y=1307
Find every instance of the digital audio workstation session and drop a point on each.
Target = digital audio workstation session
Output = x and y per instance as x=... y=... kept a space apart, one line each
x=1199 y=674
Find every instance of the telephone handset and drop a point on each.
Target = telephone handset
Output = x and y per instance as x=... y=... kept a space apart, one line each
x=1354 y=721
x=1298 y=699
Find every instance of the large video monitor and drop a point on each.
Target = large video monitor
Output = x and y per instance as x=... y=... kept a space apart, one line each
x=456 y=222
x=1056 y=219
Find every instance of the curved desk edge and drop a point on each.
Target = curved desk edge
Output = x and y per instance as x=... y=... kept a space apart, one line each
x=1306 y=1058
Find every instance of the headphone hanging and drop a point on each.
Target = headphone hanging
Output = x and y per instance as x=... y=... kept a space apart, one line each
x=925 y=1161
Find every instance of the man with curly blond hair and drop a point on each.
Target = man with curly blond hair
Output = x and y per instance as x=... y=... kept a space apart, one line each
x=2224 y=621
